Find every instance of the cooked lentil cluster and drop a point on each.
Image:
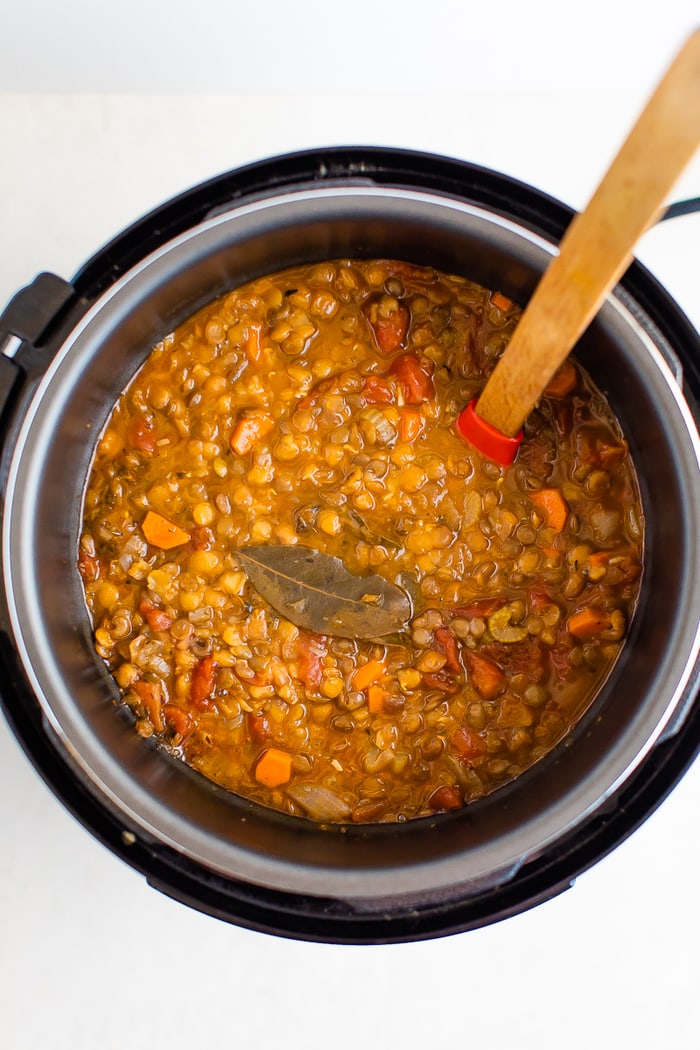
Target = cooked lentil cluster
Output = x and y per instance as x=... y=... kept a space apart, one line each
x=317 y=406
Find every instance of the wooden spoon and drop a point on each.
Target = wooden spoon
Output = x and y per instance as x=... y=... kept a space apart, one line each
x=594 y=252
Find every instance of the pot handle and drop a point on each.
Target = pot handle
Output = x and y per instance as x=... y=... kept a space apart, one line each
x=25 y=327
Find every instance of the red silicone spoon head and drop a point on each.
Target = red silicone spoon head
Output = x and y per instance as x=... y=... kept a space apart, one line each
x=486 y=438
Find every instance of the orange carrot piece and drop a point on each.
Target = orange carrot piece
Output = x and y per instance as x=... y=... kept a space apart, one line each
x=375 y=699
x=410 y=424
x=588 y=623
x=248 y=431
x=553 y=506
x=563 y=381
x=160 y=532
x=253 y=344
x=274 y=767
x=370 y=672
x=502 y=302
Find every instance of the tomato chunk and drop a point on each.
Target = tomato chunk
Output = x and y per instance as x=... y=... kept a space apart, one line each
x=151 y=696
x=447 y=644
x=389 y=321
x=142 y=434
x=445 y=798
x=416 y=384
x=311 y=649
x=468 y=744
x=203 y=682
x=486 y=676
x=377 y=391
x=157 y=619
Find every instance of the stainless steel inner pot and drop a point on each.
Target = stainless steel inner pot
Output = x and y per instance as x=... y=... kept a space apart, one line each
x=161 y=805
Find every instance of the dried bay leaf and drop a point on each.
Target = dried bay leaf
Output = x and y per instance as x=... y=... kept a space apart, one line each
x=316 y=592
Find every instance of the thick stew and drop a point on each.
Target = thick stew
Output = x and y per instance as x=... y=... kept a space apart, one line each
x=312 y=589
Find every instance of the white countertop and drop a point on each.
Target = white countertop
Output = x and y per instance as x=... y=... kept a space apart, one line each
x=90 y=956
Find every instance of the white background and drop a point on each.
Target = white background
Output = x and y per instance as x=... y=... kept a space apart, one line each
x=132 y=103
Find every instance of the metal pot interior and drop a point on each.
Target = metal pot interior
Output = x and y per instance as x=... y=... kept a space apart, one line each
x=455 y=854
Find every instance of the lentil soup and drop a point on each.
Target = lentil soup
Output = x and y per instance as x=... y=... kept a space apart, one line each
x=316 y=408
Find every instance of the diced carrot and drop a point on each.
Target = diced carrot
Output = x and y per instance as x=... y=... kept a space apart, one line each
x=563 y=381
x=253 y=344
x=370 y=672
x=502 y=302
x=274 y=767
x=151 y=697
x=163 y=533
x=553 y=506
x=486 y=676
x=248 y=431
x=588 y=623
x=410 y=424
x=375 y=699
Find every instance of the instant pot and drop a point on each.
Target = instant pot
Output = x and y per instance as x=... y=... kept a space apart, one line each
x=68 y=349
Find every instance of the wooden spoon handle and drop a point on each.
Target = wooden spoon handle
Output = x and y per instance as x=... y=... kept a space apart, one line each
x=598 y=245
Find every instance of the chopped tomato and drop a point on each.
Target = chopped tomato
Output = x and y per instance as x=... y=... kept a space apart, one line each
x=446 y=642
x=486 y=676
x=151 y=696
x=416 y=384
x=311 y=648
x=445 y=798
x=259 y=727
x=410 y=424
x=389 y=321
x=526 y=657
x=468 y=744
x=316 y=391
x=157 y=619
x=142 y=435
x=203 y=682
x=479 y=608
x=88 y=566
x=443 y=680
x=178 y=719
x=202 y=538
x=377 y=391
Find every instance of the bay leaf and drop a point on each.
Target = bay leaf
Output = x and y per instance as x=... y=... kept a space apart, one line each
x=316 y=592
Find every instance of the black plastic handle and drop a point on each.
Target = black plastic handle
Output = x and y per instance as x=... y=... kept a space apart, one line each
x=25 y=325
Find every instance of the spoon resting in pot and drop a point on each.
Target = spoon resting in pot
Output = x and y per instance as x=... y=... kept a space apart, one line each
x=594 y=253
